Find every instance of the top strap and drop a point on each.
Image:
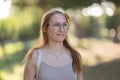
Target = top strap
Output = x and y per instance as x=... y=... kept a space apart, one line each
x=39 y=58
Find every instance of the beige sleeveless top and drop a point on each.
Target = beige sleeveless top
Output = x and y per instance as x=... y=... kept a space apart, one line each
x=48 y=72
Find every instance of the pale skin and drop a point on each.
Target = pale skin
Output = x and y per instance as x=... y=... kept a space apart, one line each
x=54 y=47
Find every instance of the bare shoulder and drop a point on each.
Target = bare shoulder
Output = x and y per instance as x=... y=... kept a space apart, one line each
x=30 y=67
x=32 y=60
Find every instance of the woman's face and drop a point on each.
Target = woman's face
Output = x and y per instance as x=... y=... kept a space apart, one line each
x=58 y=28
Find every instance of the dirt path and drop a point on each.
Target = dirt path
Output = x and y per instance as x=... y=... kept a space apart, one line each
x=101 y=61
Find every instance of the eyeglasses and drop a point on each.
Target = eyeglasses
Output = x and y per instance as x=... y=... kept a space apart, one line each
x=57 y=26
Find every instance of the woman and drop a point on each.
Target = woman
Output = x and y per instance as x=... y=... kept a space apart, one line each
x=59 y=60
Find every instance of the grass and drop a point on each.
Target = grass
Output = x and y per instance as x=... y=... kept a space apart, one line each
x=11 y=67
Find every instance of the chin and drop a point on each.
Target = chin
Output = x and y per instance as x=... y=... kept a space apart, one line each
x=60 y=40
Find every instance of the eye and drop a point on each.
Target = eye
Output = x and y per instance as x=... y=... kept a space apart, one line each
x=56 y=25
x=65 y=24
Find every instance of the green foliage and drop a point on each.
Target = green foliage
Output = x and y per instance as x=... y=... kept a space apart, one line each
x=70 y=3
x=59 y=3
x=90 y=27
x=110 y=22
x=23 y=24
x=55 y=3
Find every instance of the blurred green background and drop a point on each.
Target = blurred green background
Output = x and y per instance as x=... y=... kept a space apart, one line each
x=94 y=32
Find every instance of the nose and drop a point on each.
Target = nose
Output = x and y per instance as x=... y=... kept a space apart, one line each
x=61 y=28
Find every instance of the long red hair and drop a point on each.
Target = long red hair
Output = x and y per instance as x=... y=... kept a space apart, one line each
x=43 y=39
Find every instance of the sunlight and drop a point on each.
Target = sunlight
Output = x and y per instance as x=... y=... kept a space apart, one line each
x=109 y=8
x=15 y=74
x=12 y=48
x=109 y=11
x=94 y=10
x=97 y=10
x=5 y=6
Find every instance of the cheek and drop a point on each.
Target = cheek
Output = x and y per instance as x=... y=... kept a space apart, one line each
x=51 y=33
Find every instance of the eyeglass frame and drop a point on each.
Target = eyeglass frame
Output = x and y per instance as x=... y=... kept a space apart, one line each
x=59 y=26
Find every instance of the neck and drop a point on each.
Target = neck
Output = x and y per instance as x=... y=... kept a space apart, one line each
x=55 y=47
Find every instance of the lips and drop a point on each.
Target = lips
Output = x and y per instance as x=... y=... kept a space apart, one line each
x=60 y=34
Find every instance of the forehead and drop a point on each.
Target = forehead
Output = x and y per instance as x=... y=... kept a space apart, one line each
x=58 y=18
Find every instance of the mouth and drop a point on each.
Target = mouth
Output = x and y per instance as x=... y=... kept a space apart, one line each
x=60 y=34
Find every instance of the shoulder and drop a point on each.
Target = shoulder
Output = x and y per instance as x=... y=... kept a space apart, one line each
x=36 y=53
x=31 y=56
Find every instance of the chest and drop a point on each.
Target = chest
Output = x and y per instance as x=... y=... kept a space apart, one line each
x=58 y=61
x=48 y=72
